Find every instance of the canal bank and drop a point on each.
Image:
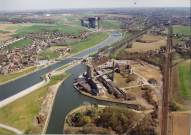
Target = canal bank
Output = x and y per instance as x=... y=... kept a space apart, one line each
x=52 y=93
x=107 y=99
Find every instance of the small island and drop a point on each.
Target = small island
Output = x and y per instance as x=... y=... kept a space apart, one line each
x=99 y=119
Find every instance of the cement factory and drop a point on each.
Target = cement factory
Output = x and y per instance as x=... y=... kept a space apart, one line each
x=96 y=80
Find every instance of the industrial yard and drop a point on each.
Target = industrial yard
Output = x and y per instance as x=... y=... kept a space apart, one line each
x=124 y=81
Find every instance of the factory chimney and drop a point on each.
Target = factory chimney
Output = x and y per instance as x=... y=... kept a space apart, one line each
x=113 y=71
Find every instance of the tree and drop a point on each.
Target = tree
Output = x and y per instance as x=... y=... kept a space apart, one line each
x=48 y=57
x=87 y=119
x=96 y=105
x=78 y=117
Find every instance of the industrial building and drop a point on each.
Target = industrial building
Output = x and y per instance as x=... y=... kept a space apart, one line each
x=123 y=66
x=111 y=87
x=90 y=22
x=95 y=77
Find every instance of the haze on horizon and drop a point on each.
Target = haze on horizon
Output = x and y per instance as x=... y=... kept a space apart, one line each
x=10 y=5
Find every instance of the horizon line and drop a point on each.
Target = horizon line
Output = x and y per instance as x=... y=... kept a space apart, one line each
x=83 y=8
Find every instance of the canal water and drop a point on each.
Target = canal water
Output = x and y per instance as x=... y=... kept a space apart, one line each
x=67 y=99
x=23 y=83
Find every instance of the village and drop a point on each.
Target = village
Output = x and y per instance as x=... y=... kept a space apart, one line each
x=15 y=59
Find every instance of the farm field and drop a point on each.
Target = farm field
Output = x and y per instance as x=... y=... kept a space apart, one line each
x=95 y=39
x=182 y=30
x=17 y=30
x=177 y=41
x=185 y=78
x=19 y=44
x=180 y=123
x=179 y=95
x=139 y=26
x=117 y=15
x=146 y=43
x=39 y=28
x=9 y=32
x=1 y=31
x=52 y=48
x=21 y=113
x=74 y=19
x=51 y=54
x=111 y=24
x=144 y=47
x=150 y=38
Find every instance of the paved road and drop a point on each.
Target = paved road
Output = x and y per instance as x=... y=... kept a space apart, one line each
x=164 y=126
x=11 y=129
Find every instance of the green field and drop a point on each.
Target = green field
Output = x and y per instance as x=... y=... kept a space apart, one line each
x=4 y=78
x=182 y=30
x=19 y=44
x=74 y=19
x=21 y=113
x=110 y=24
x=5 y=131
x=139 y=26
x=4 y=32
x=185 y=78
x=95 y=39
x=52 y=55
x=39 y=28
x=14 y=27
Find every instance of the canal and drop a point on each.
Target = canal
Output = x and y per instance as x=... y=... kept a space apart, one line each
x=25 y=82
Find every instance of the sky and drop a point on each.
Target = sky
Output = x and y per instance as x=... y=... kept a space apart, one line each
x=66 y=4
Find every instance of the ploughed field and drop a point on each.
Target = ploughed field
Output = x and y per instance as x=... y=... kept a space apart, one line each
x=7 y=30
x=180 y=123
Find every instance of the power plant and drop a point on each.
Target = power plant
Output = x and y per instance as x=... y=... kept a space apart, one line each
x=90 y=22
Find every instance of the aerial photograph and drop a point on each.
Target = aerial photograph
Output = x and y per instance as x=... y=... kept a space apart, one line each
x=95 y=67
